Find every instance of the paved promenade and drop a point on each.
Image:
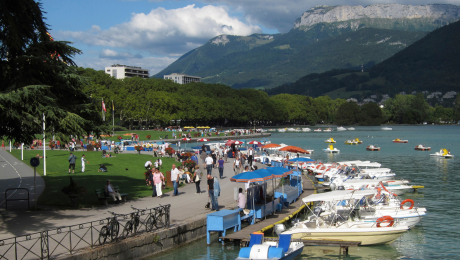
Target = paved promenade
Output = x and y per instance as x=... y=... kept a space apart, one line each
x=185 y=207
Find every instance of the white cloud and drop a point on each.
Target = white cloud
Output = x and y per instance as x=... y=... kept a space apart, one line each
x=111 y=54
x=165 y=31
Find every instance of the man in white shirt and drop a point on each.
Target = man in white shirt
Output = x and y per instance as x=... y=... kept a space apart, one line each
x=175 y=179
x=209 y=163
x=251 y=156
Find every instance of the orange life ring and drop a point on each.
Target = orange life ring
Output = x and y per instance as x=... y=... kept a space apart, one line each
x=405 y=201
x=385 y=219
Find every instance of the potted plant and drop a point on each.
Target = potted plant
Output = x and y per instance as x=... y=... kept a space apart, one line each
x=190 y=164
x=170 y=151
x=73 y=190
x=138 y=148
x=148 y=136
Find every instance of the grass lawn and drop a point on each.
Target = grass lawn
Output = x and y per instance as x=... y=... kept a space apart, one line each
x=125 y=171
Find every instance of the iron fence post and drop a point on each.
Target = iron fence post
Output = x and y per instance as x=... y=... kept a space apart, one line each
x=70 y=239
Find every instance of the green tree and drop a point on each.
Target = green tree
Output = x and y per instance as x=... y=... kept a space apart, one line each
x=347 y=114
x=456 y=109
x=371 y=114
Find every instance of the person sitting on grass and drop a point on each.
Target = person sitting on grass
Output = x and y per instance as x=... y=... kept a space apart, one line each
x=102 y=168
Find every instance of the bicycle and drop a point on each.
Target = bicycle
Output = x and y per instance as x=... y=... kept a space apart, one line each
x=156 y=218
x=110 y=230
x=133 y=224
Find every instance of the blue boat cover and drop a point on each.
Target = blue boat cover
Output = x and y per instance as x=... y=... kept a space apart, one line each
x=256 y=239
x=275 y=252
x=245 y=252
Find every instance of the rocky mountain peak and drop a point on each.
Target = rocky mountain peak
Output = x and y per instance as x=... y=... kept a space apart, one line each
x=330 y=14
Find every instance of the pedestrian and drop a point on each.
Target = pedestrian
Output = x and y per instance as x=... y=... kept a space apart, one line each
x=211 y=193
x=214 y=158
x=197 y=178
x=251 y=156
x=203 y=156
x=221 y=167
x=83 y=160
x=225 y=154
x=72 y=159
x=194 y=158
x=3 y=144
x=158 y=179
x=151 y=182
x=236 y=166
x=209 y=163
x=175 y=179
x=241 y=199
x=110 y=191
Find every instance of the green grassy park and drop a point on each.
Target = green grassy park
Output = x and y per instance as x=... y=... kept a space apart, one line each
x=124 y=170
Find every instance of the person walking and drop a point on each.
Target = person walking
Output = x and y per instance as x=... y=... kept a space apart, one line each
x=236 y=166
x=150 y=182
x=211 y=193
x=209 y=163
x=3 y=144
x=158 y=179
x=83 y=161
x=216 y=193
x=72 y=159
x=197 y=178
x=214 y=158
x=175 y=179
x=225 y=154
x=221 y=167
x=203 y=156
x=251 y=156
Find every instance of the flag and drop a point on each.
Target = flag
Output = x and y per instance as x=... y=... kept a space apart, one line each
x=103 y=106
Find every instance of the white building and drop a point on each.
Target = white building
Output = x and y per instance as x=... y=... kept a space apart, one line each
x=123 y=71
x=182 y=78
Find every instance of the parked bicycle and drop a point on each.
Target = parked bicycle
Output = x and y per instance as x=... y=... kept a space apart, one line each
x=110 y=230
x=133 y=224
x=156 y=218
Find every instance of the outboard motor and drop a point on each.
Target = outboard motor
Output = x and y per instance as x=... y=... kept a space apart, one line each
x=341 y=187
x=279 y=228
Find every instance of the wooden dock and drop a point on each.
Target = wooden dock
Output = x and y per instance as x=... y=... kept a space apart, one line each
x=285 y=214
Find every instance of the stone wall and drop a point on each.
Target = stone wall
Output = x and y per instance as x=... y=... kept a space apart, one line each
x=143 y=245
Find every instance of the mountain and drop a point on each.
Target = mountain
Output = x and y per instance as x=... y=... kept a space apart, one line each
x=323 y=38
x=429 y=65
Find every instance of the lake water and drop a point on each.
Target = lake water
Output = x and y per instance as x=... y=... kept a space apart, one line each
x=436 y=237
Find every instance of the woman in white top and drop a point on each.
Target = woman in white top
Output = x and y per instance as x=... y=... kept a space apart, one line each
x=236 y=166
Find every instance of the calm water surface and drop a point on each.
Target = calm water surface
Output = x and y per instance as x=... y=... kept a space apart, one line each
x=438 y=236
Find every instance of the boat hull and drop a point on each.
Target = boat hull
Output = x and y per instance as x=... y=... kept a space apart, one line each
x=366 y=237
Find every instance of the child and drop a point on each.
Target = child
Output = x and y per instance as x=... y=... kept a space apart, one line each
x=83 y=160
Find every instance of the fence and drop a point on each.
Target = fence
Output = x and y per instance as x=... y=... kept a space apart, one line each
x=52 y=243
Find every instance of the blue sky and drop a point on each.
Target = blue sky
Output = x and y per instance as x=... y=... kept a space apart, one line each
x=154 y=33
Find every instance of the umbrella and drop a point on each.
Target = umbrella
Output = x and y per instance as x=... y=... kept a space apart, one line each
x=278 y=172
x=301 y=159
x=255 y=176
x=202 y=140
x=254 y=142
x=293 y=149
x=188 y=127
x=270 y=146
x=238 y=142
x=230 y=142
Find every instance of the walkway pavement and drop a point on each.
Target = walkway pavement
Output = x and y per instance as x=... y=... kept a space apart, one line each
x=185 y=207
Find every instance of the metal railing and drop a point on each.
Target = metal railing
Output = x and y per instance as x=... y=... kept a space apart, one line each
x=67 y=240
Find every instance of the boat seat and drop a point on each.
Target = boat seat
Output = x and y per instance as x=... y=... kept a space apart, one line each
x=284 y=242
x=256 y=239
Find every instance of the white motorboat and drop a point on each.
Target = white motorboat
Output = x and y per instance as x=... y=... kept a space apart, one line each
x=341 y=128
x=443 y=153
x=329 y=225
x=372 y=148
x=351 y=142
x=291 y=129
x=327 y=130
x=331 y=149
x=318 y=130
x=351 y=128
x=306 y=129
x=282 y=130
x=387 y=128
x=258 y=249
x=421 y=147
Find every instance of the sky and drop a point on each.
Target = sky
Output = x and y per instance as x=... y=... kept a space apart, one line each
x=152 y=34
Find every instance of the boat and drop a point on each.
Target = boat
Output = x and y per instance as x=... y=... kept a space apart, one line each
x=327 y=130
x=330 y=225
x=351 y=128
x=318 y=130
x=291 y=129
x=270 y=250
x=330 y=141
x=443 y=153
x=331 y=149
x=421 y=147
x=351 y=142
x=341 y=128
x=306 y=129
x=400 y=141
x=358 y=141
x=372 y=148
x=282 y=130
x=387 y=128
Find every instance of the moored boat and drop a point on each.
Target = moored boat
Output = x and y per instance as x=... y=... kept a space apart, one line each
x=421 y=147
x=331 y=149
x=351 y=128
x=270 y=250
x=400 y=141
x=341 y=128
x=318 y=130
x=372 y=148
x=327 y=130
x=351 y=142
x=306 y=129
x=387 y=128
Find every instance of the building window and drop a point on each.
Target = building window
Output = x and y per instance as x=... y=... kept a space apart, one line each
x=114 y=73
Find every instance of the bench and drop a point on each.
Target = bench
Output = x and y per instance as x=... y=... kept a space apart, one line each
x=103 y=199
